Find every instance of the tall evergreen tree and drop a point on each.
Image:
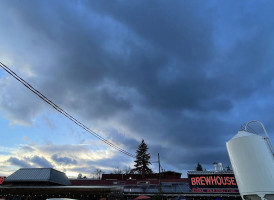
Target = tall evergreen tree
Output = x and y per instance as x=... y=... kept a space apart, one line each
x=142 y=159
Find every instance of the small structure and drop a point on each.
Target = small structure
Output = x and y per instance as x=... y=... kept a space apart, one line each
x=37 y=176
x=45 y=183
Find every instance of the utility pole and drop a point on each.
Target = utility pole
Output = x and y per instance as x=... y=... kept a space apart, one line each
x=159 y=164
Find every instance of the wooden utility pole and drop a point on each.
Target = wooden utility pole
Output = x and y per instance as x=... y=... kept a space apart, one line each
x=159 y=164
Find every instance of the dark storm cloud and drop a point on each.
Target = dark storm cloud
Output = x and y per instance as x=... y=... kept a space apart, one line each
x=183 y=75
x=170 y=71
x=169 y=27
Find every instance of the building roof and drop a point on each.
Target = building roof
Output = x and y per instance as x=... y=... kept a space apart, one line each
x=48 y=175
x=162 y=175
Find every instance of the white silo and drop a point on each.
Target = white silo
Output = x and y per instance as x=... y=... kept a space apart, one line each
x=251 y=157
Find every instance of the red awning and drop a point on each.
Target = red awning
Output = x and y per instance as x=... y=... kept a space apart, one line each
x=142 y=197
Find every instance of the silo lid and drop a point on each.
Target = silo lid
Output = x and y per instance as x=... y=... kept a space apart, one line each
x=242 y=134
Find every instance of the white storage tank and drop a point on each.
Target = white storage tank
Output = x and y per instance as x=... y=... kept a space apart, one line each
x=251 y=156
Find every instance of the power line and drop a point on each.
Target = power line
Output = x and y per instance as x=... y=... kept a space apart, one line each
x=63 y=112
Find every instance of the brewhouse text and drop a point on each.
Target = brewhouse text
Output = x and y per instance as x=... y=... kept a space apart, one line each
x=213 y=180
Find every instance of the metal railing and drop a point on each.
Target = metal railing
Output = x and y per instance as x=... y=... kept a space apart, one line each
x=266 y=138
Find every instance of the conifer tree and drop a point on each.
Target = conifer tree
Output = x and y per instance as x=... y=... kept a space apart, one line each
x=142 y=159
x=199 y=167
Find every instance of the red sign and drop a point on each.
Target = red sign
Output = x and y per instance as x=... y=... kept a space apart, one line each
x=2 y=180
x=213 y=180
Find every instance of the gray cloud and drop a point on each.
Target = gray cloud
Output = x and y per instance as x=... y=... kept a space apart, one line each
x=183 y=76
x=63 y=160
x=17 y=162
x=41 y=161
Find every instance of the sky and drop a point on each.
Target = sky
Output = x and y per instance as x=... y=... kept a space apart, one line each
x=182 y=75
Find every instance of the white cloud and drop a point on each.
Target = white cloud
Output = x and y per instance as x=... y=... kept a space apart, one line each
x=72 y=159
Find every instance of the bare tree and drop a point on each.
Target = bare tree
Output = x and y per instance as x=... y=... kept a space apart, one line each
x=99 y=173
x=127 y=170
x=116 y=170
